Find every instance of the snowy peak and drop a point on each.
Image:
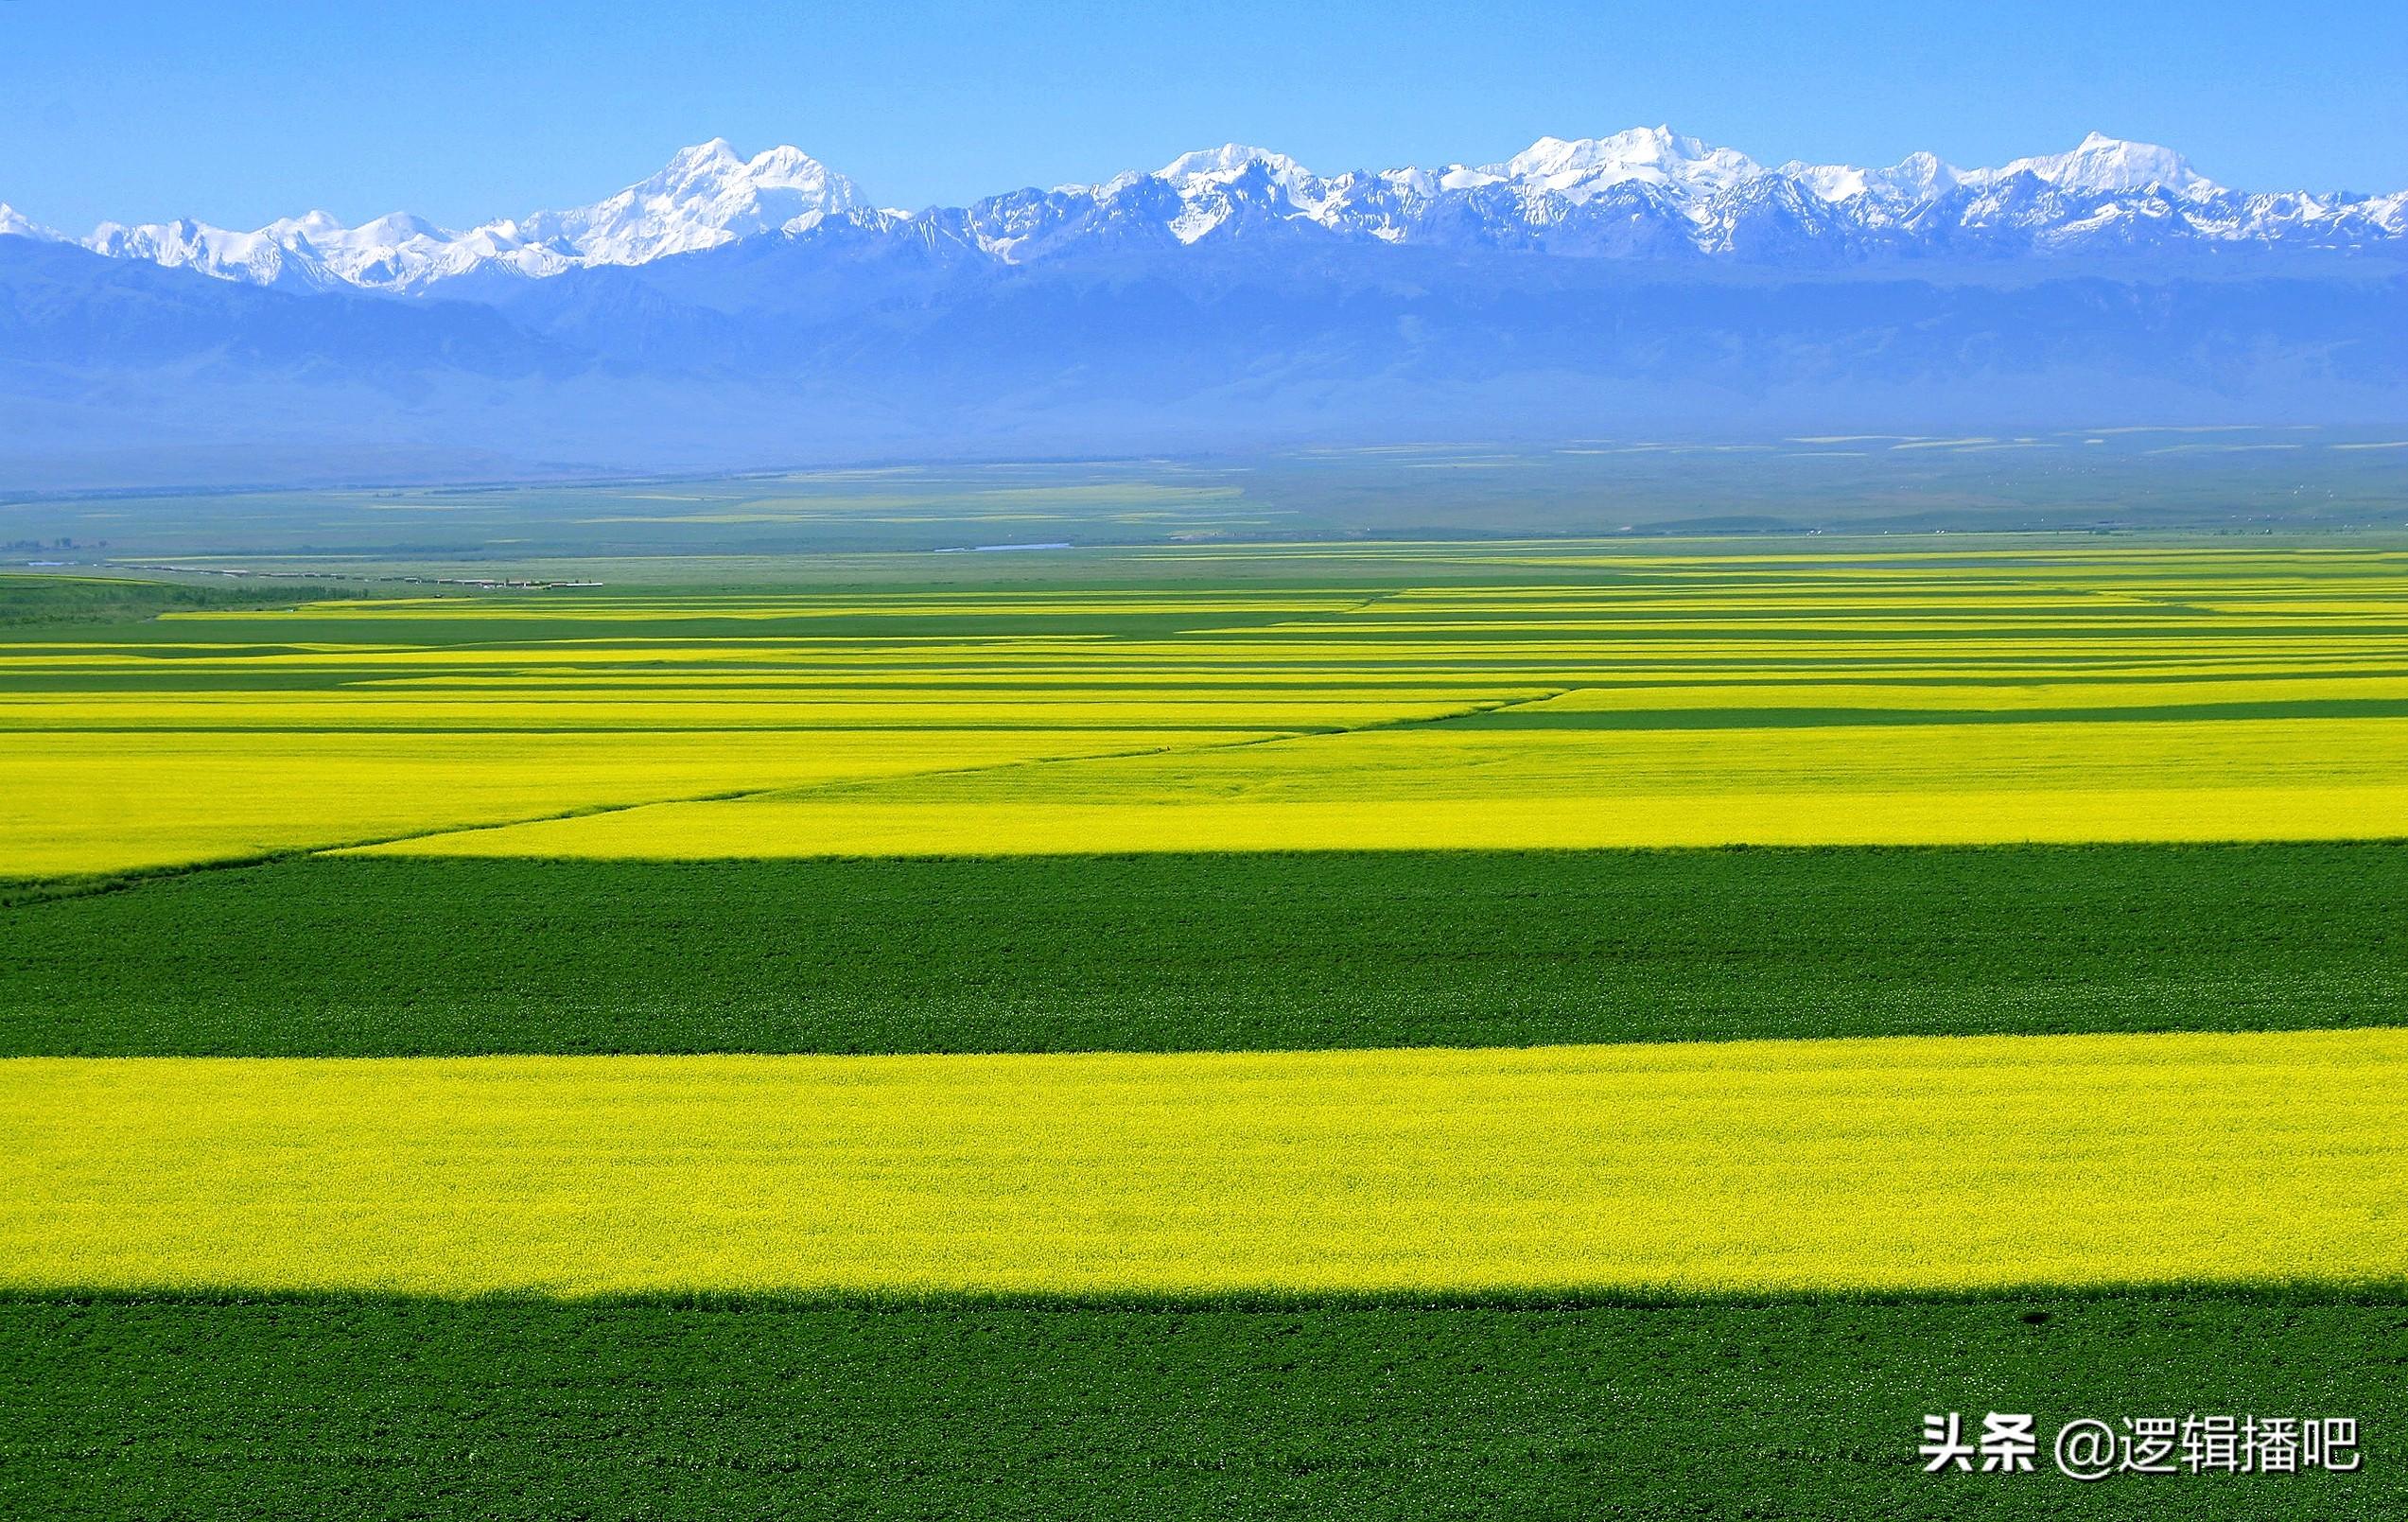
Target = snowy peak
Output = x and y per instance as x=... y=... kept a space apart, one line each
x=713 y=170
x=1651 y=192
x=2111 y=165
x=393 y=227
x=1209 y=180
x=706 y=195
x=272 y=256
x=717 y=155
x=14 y=224
x=1916 y=177
x=1228 y=162
x=1215 y=187
x=1579 y=168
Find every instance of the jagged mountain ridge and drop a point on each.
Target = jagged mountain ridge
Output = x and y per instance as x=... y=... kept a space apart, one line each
x=706 y=195
x=1646 y=194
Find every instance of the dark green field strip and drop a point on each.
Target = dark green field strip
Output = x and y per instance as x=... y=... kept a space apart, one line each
x=360 y=957
x=334 y=1410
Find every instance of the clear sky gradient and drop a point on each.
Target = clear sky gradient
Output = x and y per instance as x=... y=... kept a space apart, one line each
x=467 y=110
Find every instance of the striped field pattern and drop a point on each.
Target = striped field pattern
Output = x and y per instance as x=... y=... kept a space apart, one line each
x=944 y=1070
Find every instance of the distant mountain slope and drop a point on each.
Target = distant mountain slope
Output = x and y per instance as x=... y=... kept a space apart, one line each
x=63 y=305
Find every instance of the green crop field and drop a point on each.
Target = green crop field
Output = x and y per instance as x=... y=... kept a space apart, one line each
x=357 y=956
x=1344 y=1026
x=170 y=1408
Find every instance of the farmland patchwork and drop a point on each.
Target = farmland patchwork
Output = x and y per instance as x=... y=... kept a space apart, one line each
x=2004 y=941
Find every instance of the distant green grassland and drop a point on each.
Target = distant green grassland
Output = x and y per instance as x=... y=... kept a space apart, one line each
x=67 y=598
x=1786 y=1408
x=346 y=957
x=2240 y=482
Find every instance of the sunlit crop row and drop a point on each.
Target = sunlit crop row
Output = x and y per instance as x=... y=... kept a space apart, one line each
x=96 y=803
x=1437 y=786
x=702 y=707
x=1877 y=1165
x=1574 y=696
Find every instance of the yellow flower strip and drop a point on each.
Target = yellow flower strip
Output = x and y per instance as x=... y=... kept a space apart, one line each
x=102 y=802
x=1572 y=789
x=1900 y=1164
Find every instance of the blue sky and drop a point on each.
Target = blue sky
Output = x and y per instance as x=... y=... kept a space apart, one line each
x=237 y=113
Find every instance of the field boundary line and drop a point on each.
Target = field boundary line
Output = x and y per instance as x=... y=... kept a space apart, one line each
x=21 y=893
x=839 y=787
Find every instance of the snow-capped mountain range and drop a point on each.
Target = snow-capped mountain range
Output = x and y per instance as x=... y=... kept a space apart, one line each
x=1648 y=193
x=706 y=196
x=736 y=312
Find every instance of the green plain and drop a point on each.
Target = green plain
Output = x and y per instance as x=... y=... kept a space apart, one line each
x=352 y=957
x=1793 y=1408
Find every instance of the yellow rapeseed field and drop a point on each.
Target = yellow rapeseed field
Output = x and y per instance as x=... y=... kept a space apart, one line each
x=1444 y=788
x=1671 y=697
x=732 y=706
x=1896 y=1163
x=82 y=802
